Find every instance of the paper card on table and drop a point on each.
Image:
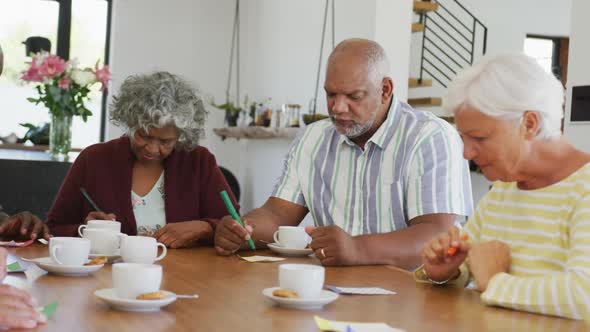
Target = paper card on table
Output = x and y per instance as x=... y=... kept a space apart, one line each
x=15 y=263
x=15 y=244
x=14 y=267
x=33 y=273
x=50 y=309
x=360 y=290
x=338 y=326
x=262 y=258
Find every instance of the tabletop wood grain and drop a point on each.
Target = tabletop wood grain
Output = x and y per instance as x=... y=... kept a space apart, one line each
x=231 y=300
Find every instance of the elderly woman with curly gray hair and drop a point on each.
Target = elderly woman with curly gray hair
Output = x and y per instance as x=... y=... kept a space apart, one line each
x=155 y=179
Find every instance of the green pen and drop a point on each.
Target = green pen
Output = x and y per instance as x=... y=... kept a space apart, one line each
x=234 y=214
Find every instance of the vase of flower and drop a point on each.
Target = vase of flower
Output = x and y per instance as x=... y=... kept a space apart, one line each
x=63 y=89
x=60 y=137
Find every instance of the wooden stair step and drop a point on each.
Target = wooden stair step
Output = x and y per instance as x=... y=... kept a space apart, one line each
x=449 y=119
x=421 y=7
x=415 y=82
x=425 y=102
x=417 y=27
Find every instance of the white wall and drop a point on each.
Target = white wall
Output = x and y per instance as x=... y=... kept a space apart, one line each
x=578 y=70
x=186 y=37
x=280 y=42
x=392 y=30
x=508 y=23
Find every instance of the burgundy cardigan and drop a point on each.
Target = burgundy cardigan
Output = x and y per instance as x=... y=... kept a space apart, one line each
x=192 y=183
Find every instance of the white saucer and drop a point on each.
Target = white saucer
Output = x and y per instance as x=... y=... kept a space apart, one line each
x=110 y=297
x=110 y=258
x=47 y=264
x=289 y=251
x=304 y=304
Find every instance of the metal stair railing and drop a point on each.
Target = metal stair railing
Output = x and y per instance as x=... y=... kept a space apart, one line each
x=449 y=41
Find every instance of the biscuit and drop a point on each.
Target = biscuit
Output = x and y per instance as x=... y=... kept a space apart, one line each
x=97 y=261
x=285 y=293
x=151 y=296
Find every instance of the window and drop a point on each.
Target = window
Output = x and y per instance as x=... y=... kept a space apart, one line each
x=550 y=52
x=87 y=45
x=541 y=49
x=20 y=19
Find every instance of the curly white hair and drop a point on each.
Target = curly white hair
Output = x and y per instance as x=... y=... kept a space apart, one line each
x=159 y=99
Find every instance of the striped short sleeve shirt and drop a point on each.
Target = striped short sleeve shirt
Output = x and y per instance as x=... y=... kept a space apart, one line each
x=413 y=165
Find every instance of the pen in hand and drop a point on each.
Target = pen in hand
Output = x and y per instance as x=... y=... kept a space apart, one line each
x=232 y=211
x=89 y=200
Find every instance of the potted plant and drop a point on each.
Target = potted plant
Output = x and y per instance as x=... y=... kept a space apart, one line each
x=63 y=89
x=312 y=116
x=232 y=112
x=38 y=135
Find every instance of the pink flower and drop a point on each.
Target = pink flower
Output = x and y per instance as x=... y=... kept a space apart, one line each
x=64 y=83
x=33 y=74
x=53 y=66
x=103 y=75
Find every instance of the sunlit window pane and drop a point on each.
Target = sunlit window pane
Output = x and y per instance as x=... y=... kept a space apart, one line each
x=87 y=45
x=540 y=49
x=18 y=21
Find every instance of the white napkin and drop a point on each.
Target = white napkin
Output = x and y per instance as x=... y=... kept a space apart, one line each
x=252 y=259
x=338 y=326
x=360 y=290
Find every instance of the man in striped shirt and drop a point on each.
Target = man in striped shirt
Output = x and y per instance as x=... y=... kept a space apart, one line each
x=378 y=177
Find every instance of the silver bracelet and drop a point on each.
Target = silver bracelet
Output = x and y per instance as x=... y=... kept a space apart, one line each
x=444 y=281
x=439 y=282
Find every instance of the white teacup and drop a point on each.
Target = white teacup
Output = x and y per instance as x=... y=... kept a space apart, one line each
x=69 y=250
x=141 y=249
x=292 y=237
x=304 y=279
x=132 y=279
x=103 y=241
x=110 y=225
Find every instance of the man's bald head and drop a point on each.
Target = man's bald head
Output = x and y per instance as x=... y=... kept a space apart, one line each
x=368 y=52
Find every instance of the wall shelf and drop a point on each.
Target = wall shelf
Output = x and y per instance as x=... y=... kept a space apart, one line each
x=256 y=132
x=18 y=146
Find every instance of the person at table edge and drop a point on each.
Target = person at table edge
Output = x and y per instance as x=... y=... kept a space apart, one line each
x=378 y=177
x=155 y=179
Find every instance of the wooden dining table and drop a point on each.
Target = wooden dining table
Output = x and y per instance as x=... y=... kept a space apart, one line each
x=231 y=299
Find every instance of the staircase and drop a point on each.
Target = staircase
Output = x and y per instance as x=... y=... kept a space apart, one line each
x=447 y=37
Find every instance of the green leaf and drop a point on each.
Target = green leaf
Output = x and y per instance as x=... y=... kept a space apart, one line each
x=28 y=125
x=55 y=93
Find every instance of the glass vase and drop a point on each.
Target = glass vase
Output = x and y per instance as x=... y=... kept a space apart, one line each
x=60 y=137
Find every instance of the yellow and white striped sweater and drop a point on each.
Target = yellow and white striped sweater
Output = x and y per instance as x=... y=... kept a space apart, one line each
x=548 y=231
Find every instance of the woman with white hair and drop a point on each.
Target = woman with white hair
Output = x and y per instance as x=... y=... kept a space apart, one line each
x=527 y=246
x=155 y=180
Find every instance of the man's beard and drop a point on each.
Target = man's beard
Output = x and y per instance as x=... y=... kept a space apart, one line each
x=357 y=129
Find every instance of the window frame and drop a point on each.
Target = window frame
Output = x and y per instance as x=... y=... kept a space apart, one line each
x=64 y=28
x=555 y=56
